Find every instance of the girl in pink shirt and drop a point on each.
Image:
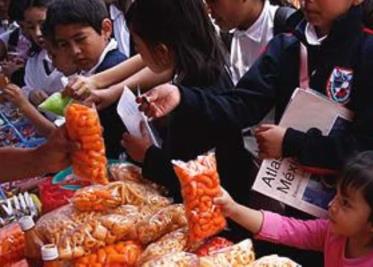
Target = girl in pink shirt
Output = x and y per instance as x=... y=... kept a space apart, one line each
x=346 y=238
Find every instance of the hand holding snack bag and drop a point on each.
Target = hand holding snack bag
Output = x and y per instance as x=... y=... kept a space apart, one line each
x=199 y=186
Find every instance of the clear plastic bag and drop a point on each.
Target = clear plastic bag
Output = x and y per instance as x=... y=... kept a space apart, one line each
x=164 y=221
x=178 y=259
x=83 y=126
x=275 y=261
x=122 y=254
x=199 y=186
x=172 y=242
x=239 y=255
x=101 y=198
x=12 y=243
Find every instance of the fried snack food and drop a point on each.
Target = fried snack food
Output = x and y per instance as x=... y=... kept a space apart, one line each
x=121 y=254
x=275 y=261
x=164 y=221
x=101 y=198
x=239 y=255
x=178 y=259
x=212 y=245
x=83 y=126
x=12 y=243
x=199 y=186
x=172 y=242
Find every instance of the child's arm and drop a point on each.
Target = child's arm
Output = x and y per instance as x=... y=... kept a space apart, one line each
x=249 y=218
x=274 y=227
x=14 y=94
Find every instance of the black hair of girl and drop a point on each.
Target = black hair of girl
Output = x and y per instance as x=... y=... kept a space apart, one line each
x=357 y=174
x=17 y=8
x=183 y=26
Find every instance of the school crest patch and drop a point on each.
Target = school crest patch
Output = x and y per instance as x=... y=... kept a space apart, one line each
x=339 y=85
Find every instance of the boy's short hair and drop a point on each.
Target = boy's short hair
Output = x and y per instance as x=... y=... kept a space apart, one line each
x=17 y=8
x=64 y=12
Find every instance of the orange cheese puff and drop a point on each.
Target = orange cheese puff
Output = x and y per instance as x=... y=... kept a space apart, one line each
x=200 y=184
x=83 y=126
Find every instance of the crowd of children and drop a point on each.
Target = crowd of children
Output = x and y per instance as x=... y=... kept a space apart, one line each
x=207 y=71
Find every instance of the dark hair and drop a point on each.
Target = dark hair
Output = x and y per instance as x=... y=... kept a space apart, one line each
x=358 y=174
x=17 y=8
x=65 y=12
x=184 y=26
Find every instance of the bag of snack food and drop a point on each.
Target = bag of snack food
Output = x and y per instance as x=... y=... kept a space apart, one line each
x=172 y=242
x=275 y=261
x=200 y=184
x=178 y=259
x=212 y=245
x=164 y=221
x=121 y=254
x=12 y=244
x=83 y=126
x=239 y=255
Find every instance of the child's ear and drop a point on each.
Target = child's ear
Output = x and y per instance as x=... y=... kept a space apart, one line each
x=357 y=2
x=107 y=28
x=164 y=55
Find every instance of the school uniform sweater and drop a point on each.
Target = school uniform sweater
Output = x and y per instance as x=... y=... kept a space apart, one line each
x=340 y=68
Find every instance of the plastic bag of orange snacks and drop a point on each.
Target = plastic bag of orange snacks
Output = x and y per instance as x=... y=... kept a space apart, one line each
x=200 y=184
x=121 y=254
x=12 y=244
x=83 y=126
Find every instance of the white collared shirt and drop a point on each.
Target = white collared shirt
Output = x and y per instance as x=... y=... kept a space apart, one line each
x=311 y=35
x=112 y=45
x=121 y=32
x=248 y=45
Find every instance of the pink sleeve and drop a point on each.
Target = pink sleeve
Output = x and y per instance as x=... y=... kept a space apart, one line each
x=309 y=234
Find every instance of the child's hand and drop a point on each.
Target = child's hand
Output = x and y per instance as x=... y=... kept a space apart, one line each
x=9 y=67
x=137 y=147
x=37 y=97
x=15 y=94
x=225 y=202
x=101 y=98
x=270 y=138
x=80 y=88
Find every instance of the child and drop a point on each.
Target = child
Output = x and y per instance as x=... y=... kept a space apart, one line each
x=346 y=238
x=337 y=47
x=14 y=94
x=164 y=33
x=82 y=29
x=120 y=30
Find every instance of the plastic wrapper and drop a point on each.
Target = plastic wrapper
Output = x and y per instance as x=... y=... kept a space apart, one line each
x=83 y=126
x=239 y=255
x=100 y=198
x=200 y=184
x=275 y=261
x=12 y=244
x=212 y=245
x=21 y=263
x=164 y=221
x=56 y=104
x=121 y=254
x=172 y=242
x=52 y=226
x=130 y=172
x=178 y=259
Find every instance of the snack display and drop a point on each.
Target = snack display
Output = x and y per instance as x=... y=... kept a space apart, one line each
x=125 y=171
x=239 y=255
x=123 y=254
x=164 y=221
x=199 y=185
x=12 y=244
x=275 y=261
x=178 y=259
x=212 y=245
x=172 y=242
x=100 y=197
x=83 y=126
